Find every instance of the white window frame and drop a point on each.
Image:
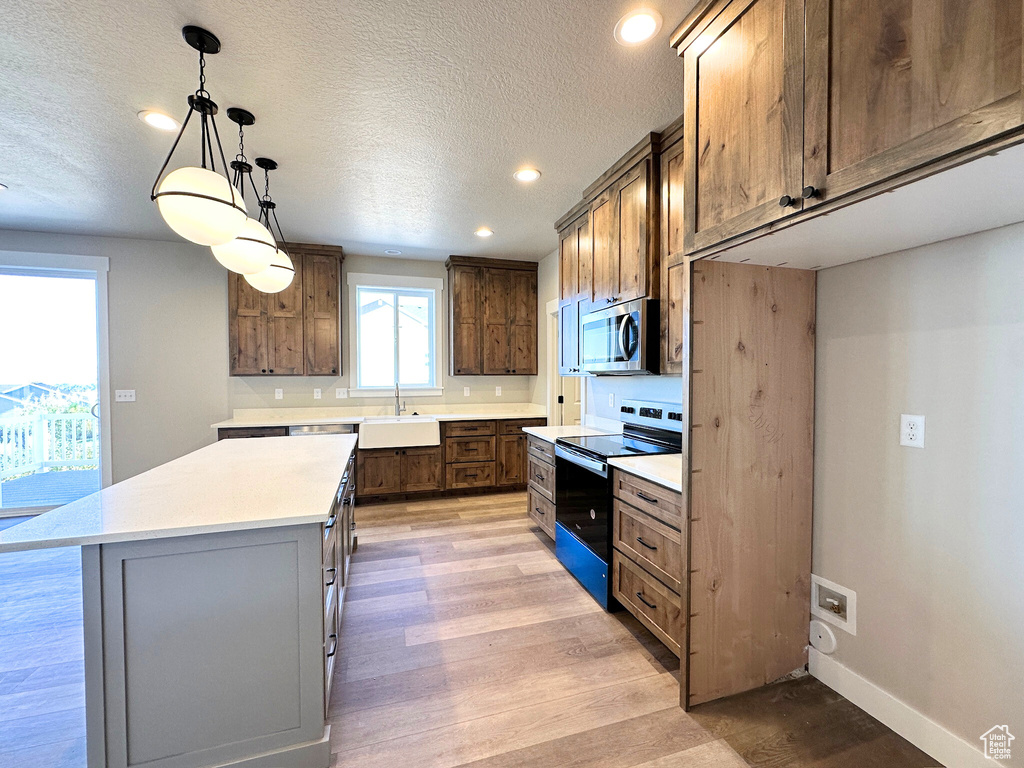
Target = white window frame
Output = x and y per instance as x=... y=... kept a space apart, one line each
x=368 y=280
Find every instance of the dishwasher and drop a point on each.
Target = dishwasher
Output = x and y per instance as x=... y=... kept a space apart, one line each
x=322 y=429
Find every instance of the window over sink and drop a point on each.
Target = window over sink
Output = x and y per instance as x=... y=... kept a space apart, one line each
x=395 y=327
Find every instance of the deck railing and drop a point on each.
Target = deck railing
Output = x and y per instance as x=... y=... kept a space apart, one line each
x=47 y=441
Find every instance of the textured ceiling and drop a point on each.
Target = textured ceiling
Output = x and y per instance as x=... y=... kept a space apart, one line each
x=396 y=123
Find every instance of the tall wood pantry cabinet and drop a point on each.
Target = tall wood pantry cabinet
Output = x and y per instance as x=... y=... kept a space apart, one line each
x=294 y=332
x=795 y=106
x=492 y=317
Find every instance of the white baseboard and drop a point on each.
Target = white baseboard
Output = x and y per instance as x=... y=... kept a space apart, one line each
x=921 y=731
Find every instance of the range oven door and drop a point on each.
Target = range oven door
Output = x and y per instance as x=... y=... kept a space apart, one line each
x=583 y=500
x=616 y=340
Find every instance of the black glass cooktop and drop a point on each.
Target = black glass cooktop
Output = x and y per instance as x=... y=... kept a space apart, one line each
x=605 y=446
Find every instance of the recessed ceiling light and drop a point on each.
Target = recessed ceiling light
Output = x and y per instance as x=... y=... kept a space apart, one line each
x=393 y=252
x=483 y=232
x=637 y=26
x=526 y=174
x=158 y=120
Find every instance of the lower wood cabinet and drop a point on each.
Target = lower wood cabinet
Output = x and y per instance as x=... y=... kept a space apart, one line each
x=541 y=511
x=474 y=474
x=511 y=460
x=656 y=606
x=540 y=475
x=400 y=470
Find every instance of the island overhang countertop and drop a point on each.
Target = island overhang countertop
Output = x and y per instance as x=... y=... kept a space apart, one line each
x=231 y=485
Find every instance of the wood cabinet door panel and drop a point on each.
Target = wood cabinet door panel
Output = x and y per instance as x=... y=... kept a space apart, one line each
x=604 y=226
x=422 y=469
x=675 y=294
x=497 y=316
x=631 y=194
x=474 y=475
x=522 y=338
x=894 y=84
x=511 y=460
x=247 y=328
x=285 y=352
x=379 y=471
x=459 y=449
x=321 y=282
x=654 y=604
x=469 y=428
x=743 y=120
x=585 y=256
x=466 y=321
x=568 y=264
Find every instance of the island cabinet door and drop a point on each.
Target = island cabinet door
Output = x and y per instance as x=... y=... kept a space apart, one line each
x=743 y=120
x=380 y=472
x=891 y=85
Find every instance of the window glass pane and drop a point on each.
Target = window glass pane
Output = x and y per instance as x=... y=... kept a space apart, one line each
x=376 y=323
x=415 y=339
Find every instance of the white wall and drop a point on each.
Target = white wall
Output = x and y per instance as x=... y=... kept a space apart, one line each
x=932 y=540
x=169 y=342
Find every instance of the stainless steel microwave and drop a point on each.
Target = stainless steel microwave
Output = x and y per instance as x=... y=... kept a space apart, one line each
x=622 y=339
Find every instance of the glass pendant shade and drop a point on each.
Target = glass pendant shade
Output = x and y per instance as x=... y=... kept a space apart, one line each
x=274 y=278
x=251 y=252
x=201 y=206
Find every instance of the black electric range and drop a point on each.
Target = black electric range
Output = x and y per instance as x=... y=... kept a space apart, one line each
x=583 y=489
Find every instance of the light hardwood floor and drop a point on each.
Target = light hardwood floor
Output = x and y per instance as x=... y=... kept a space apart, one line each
x=463 y=642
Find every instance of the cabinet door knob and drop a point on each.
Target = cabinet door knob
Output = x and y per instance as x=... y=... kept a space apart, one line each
x=788 y=202
x=513 y=370
x=263 y=370
x=271 y=370
x=334 y=370
x=811 y=192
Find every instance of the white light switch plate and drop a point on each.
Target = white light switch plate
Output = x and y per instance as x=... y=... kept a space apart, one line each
x=911 y=431
x=317 y=393
x=124 y=396
x=497 y=391
x=465 y=391
x=279 y=394
x=340 y=393
x=611 y=399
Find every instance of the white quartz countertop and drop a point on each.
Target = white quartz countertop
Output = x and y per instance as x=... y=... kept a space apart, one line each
x=550 y=434
x=663 y=469
x=231 y=485
x=301 y=417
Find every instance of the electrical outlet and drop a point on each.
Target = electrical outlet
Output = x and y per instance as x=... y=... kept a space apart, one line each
x=834 y=603
x=317 y=393
x=124 y=396
x=912 y=431
x=497 y=391
x=465 y=391
x=340 y=393
x=279 y=394
x=611 y=399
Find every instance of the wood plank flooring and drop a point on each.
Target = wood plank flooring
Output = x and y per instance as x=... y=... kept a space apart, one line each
x=463 y=643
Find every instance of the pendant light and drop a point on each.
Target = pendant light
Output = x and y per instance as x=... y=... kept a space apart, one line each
x=199 y=203
x=254 y=248
x=281 y=272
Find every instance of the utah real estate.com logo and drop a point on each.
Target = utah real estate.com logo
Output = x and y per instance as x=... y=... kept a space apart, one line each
x=997 y=742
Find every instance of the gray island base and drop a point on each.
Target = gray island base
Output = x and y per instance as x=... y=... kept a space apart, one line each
x=215 y=646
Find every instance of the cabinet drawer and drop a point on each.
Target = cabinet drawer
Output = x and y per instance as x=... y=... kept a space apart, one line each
x=541 y=450
x=541 y=511
x=469 y=428
x=655 y=500
x=656 y=606
x=472 y=475
x=542 y=478
x=459 y=449
x=331 y=623
x=649 y=542
x=515 y=426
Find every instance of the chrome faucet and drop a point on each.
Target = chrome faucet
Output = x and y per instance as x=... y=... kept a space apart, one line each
x=398 y=407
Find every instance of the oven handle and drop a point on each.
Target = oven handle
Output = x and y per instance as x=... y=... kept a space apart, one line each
x=598 y=467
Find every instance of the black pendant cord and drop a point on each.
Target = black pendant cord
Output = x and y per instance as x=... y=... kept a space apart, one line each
x=268 y=209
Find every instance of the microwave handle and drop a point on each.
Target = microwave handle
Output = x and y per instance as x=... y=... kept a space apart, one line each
x=624 y=346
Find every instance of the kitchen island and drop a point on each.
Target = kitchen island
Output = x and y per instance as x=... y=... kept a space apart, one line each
x=212 y=588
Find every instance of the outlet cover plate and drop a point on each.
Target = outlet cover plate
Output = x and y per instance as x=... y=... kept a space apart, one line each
x=279 y=394
x=850 y=624
x=465 y=391
x=340 y=393
x=318 y=393
x=497 y=391
x=124 y=396
x=911 y=430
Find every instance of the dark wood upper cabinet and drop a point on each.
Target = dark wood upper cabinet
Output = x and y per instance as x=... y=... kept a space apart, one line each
x=743 y=120
x=576 y=285
x=465 y=326
x=294 y=332
x=675 y=273
x=895 y=84
x=492 y=316
x=795 y=108
x=321 y=282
